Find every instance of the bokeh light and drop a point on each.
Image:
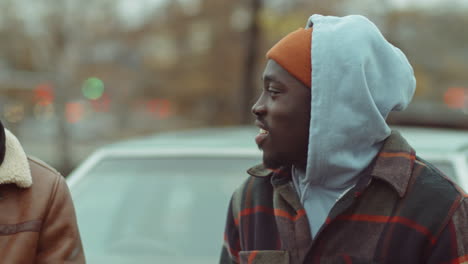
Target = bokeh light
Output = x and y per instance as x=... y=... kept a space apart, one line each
x=44 y=94
x=159 y=108
x=456 y=97
x=101 y=104
x=74 y=112
x=14 y=112
x=44 y=112
x=93 y=88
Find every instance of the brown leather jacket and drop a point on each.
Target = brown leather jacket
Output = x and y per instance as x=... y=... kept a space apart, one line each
x=37 y=217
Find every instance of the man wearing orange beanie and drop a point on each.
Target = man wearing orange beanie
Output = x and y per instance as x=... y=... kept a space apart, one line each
x=337 y=185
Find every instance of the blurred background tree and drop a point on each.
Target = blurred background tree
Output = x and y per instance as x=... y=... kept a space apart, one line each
x=75 y=75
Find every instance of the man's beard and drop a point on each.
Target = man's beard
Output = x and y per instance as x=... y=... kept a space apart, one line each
x=275 y=162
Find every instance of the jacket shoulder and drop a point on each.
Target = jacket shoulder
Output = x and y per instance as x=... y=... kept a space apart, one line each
x=427 y=178
x=41 y=172
x=432 y=198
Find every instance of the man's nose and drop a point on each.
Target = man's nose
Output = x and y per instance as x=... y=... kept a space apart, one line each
x=258 y=108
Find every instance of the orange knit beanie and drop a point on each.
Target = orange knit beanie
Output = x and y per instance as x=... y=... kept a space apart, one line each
x=293 y=54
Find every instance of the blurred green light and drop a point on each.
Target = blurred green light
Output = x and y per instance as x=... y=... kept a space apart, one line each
x=93 y=88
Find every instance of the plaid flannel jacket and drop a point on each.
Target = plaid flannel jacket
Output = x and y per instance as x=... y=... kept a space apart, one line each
x=403 y=210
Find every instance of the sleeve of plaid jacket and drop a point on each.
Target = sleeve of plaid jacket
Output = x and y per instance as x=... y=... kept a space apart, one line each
x=231 y=247
x=452 y=244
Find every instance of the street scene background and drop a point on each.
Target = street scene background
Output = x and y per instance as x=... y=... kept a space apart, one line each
x=75 y=75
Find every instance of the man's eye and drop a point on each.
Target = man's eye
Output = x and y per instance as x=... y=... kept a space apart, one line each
x=272 y=91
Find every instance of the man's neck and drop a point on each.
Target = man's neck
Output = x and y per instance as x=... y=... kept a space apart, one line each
x=301 y=167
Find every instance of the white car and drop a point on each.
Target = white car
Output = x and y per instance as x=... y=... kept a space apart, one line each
x=447 y=149
x=161 y=199
x=164 y=199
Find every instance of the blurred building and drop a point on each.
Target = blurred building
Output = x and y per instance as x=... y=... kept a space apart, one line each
x=78 y=74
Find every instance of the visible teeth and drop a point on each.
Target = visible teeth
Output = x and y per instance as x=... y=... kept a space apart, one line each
x=263 y=131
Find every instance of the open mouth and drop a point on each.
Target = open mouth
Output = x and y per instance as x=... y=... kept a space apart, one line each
x=262 y=135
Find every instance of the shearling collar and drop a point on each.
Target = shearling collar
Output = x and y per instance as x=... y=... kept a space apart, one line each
x=15 y=166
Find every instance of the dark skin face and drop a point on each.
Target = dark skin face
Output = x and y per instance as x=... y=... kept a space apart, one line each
x=283 y=111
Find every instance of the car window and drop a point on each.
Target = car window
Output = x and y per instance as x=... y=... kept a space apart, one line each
x=157 y=206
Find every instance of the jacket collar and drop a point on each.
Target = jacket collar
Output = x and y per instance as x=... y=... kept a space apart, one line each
x=393 y=164
x=260 y=171
x=15 y=166
x=278 y=176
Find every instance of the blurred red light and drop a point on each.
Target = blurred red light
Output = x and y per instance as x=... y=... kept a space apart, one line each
x=159 y=108
x=74 y=112
x=44 y=94
x=102 y=104
x=456 y=97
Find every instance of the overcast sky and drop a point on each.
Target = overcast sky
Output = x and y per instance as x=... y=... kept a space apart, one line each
x=134 y=12
x=428 y=3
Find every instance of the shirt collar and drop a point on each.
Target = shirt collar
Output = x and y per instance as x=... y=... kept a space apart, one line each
x=260 y=171
x=394 y=163
x=278 y=176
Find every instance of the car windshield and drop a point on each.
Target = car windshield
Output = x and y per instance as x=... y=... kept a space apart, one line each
x=157 y=207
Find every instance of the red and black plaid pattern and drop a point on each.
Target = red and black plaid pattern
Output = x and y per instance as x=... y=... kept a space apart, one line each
x=403 y=210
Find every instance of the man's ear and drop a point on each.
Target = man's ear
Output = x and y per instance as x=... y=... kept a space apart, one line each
x=2 y=143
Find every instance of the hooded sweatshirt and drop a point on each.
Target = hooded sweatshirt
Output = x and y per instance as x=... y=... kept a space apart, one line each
x=357 y=78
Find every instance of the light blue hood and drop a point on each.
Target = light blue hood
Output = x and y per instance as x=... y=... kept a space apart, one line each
x=358 y=77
